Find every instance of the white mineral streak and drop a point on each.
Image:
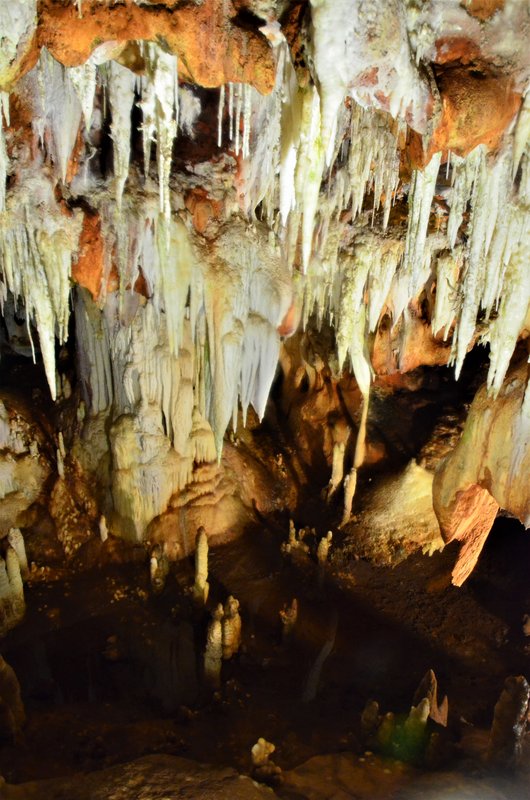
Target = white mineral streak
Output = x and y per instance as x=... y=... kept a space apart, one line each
x=37 y=244
x=3 y=163
x=238 y=89
x=521 y=441
x=220 y=115
x=121 y=86
x=522 y=133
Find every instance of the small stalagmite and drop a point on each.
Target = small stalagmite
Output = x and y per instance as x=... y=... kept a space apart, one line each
x=231 y=627
x=12 y=713
x=323 y=548
x=16 y=540
x=201 y=587
x=288 y=617
x=213 y=654
x=15 y=580
x=263 y=769
x=158 y=570
x=428 y=689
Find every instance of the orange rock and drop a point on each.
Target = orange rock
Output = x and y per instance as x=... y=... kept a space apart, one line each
x=87 y=271
x=73 y=162
x=405 y=348
x=141 y=286
x=203 y=209
x=482 y=9
x=477 y=108
x=456 y=48
x=290 y=322
x=212 y=49
x=469 y=520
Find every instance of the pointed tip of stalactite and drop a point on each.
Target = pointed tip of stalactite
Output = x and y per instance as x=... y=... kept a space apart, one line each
x=219 y=449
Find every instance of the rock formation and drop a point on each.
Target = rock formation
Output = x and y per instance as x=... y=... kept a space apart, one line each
x=357 y=188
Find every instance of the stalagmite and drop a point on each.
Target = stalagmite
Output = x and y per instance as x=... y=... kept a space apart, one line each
x=16 y=540
x=263 y=769
x=323 y=548
x=16 y=587
x=11 y=705
x=510 y=723
x=289 y=617
x=158 y=569
x=313 y=678
x=213 y=654
x=231 y=627
x=4 y=580
x=428 y=689
x=261 y=752
x=103 y=530
x=201 y=586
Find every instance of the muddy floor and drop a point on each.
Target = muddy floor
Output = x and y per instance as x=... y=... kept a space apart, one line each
x=110 y=672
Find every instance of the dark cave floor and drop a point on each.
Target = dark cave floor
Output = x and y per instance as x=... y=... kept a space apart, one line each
x=110 y=672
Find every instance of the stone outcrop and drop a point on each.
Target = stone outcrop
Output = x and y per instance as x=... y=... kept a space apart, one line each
x=486 y=471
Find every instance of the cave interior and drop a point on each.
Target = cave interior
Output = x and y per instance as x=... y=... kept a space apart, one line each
x=264 y=399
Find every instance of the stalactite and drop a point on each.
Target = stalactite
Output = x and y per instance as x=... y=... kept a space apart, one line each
x=37 y=243
x=83 y=79
x=121 y=84
x=421 y=194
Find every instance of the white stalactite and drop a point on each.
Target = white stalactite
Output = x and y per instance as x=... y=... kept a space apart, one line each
x=83 y=79
x=121 y=84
